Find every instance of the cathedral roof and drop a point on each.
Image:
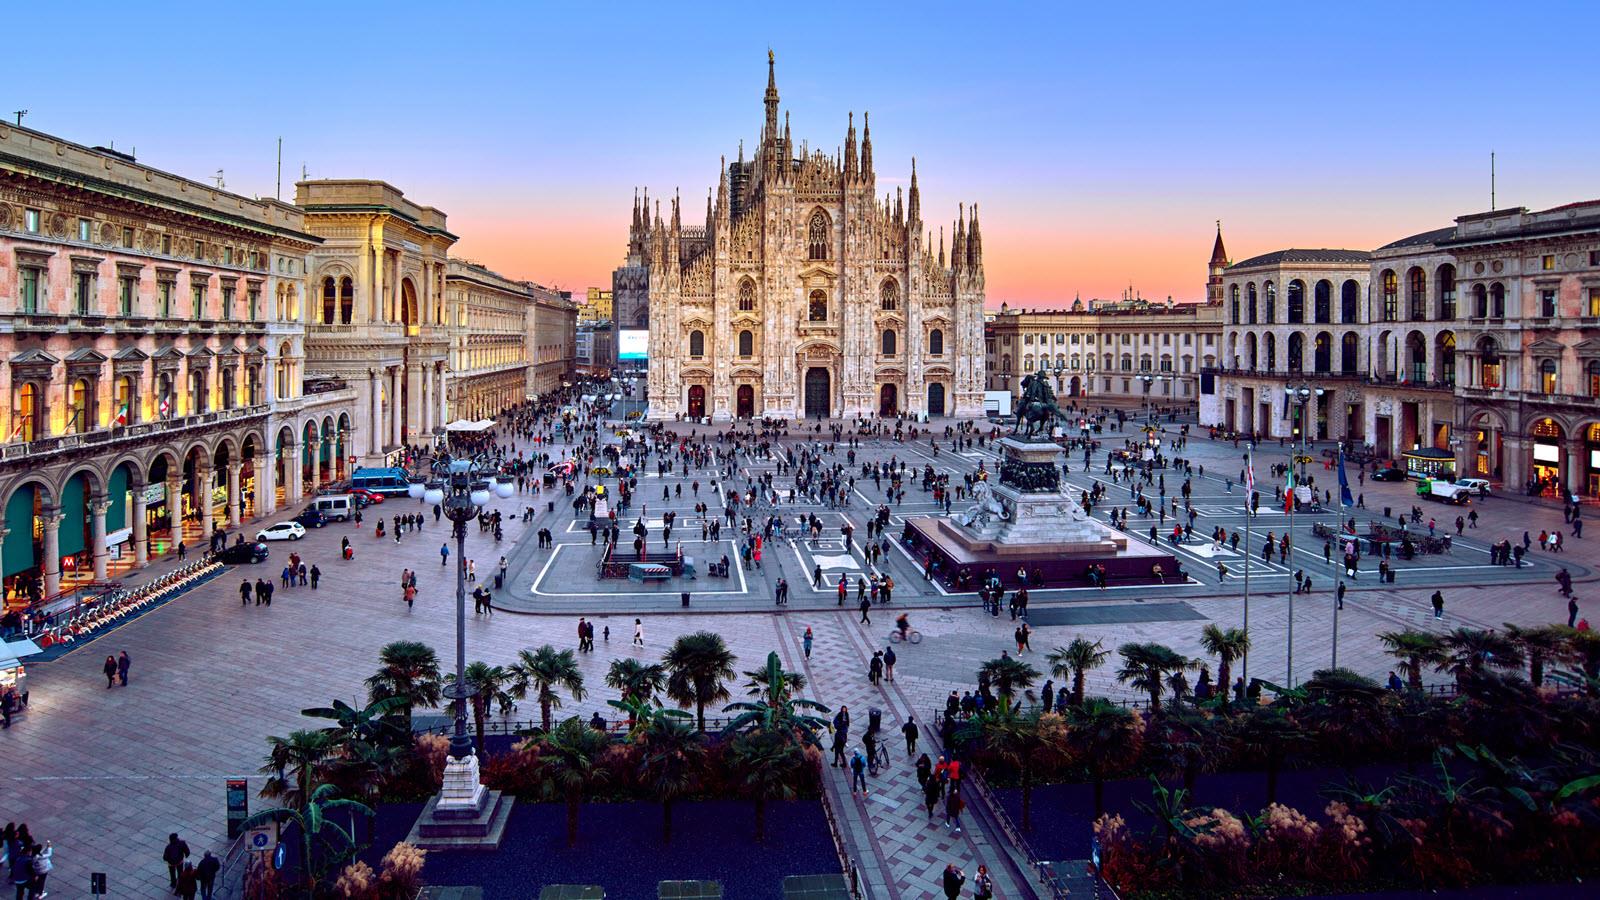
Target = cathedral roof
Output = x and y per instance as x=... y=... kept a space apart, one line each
x=1219 y=255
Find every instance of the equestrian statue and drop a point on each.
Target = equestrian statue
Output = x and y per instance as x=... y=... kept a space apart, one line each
x=1037 y=407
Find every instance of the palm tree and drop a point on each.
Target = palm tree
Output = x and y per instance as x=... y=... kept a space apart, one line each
x=369 y=743
x=571 y=754
x=1025 y=743
x=1008 y=675
x=673 y=761
x=1415 y=650
x=1585 y=653
x=778 y=711
x=636 y=680
x=762 y=680
x=546 y=669
x=764 y=765
x=369 y=725
x=1075 y=659
x=295 y=763
x=1541 y=644
x=409 y=670
x=491 y=685
x=1145 y=668
x=1104 y=739
x=313 y=820
x=1227 y=645
x=697 y=665
x=1468 y=650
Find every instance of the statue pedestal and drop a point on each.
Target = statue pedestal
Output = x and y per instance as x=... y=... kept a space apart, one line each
x=1030 y=522
x=465 y=815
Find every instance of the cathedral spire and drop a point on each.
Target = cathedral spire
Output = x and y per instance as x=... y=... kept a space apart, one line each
x=958 y=243
x=1219 y=254
x=866 y=146
x=771 y=98
x=850 y=149
x=974 y=242
x=914 y=201
x=941 y=246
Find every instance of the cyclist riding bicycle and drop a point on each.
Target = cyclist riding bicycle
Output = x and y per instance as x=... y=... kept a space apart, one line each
x=903 y=625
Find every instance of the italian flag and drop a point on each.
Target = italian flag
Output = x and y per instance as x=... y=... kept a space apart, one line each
x=1288 y=493
x=122 y=415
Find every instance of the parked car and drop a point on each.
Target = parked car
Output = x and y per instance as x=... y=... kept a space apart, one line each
x=368 y=498
x=1392 y=473
x=248 y=552
x=311 y=517
x=283 y=531
x=1479 y=486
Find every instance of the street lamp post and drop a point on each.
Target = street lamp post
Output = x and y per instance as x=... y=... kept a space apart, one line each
x=462 y=486
x=1301 y=394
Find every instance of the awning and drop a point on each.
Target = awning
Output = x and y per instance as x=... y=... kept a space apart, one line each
x=12 y=652
x=464 y=425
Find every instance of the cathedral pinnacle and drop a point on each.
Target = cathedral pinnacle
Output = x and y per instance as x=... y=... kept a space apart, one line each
x=866 y=146
x=771 y=98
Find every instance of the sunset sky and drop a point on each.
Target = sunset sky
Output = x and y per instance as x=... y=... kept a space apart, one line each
x=1100 y=141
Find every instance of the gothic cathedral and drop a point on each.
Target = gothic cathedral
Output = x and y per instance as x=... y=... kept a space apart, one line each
x=804 y=295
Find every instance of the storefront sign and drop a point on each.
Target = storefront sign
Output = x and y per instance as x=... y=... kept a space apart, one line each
x=238 y=792
x=155 y=494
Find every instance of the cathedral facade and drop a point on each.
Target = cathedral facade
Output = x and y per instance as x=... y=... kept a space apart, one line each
x=805 y=294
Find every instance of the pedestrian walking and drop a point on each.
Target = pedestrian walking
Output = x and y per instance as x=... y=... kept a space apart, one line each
x=839 y=743
x=806 y=641
x=43 y=864
x=983 y=885
x=954 y=878
x=175 y=853
x=932 y=790
x=924 y=771
x=316 y=576
x=1572 y=612
x=444 y=555
x=182 y=550
x=888 y=662
x=244 y=593
x=866 y=605
x=953 y=806
x=858 y=772
x=207 y=871
x=909 y=729
x=1438 y=604
x=638 y=633
x=110 y=669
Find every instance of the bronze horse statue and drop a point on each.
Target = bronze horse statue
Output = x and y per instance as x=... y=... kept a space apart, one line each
x=1037 y=407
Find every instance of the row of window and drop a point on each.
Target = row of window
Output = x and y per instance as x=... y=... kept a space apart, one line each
x=888 y=343
x=129 y=405
x=199 y=249
x=33 y=288
x=1263 y=308
x=1145 y=339
x=1087 y=363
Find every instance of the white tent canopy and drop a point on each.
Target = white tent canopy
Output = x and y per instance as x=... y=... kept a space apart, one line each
x=464 y=425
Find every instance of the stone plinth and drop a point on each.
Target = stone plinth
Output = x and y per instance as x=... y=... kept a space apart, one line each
x=1027 y=520
x=465 y=815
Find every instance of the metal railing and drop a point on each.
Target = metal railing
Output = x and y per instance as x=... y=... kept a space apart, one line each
x=86 y=613
x=847 y=863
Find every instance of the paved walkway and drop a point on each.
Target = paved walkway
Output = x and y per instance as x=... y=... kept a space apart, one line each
x=107 y=774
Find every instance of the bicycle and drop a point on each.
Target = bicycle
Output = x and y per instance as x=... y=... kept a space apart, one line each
x=912 y=636
x=879 y=761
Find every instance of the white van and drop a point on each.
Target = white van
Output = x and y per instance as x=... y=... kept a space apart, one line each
x=335 y=506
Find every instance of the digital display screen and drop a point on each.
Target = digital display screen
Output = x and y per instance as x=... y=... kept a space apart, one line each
x=633 y=344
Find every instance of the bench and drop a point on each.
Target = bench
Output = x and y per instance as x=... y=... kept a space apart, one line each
x=646 y=572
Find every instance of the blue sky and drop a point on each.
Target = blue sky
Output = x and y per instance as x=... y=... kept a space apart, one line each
x=1100 y=141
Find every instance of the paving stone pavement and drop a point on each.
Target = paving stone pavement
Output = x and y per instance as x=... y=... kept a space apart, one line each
x=107 y=774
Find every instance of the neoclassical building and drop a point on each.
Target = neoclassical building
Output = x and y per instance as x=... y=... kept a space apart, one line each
x=377 y=309
x=151 y=352
x=804 y=294
x=489 y=318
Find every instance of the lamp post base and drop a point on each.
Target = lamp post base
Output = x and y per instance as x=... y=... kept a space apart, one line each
x=465 y=815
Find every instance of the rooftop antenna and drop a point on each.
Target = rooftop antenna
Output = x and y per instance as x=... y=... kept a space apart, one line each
x=220 y=183
x=278 y=191
x=1491 y=181
x=19 y=114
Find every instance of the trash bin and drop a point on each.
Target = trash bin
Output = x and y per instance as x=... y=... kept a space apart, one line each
x=1388 y=512
x=550 y=506
x=874 y=719
x=1389 y=576
x=685 y=598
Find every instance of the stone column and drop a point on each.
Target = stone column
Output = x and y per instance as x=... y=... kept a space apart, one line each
x=97 y=532
x=441 y=385
x=293 y=470
x=51 y=564
x=207 y=519
x=235 y=501
x=175 y=507
x=416 y=400
x=141 y=533
x=316 y=465
x=396 y=376
x=266 y=486
x=374 y=415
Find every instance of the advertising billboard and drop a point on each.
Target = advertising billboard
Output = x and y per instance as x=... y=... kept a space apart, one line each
x=633 y=345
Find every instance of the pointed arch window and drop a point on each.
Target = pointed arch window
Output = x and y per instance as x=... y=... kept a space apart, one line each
x=747 y=343
x=889 y=296
x=936 y=342
x=697 y=343
x=818 y=236
x=889 y=342
x=347 y=300
x=747 y=296
x=329 y=299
